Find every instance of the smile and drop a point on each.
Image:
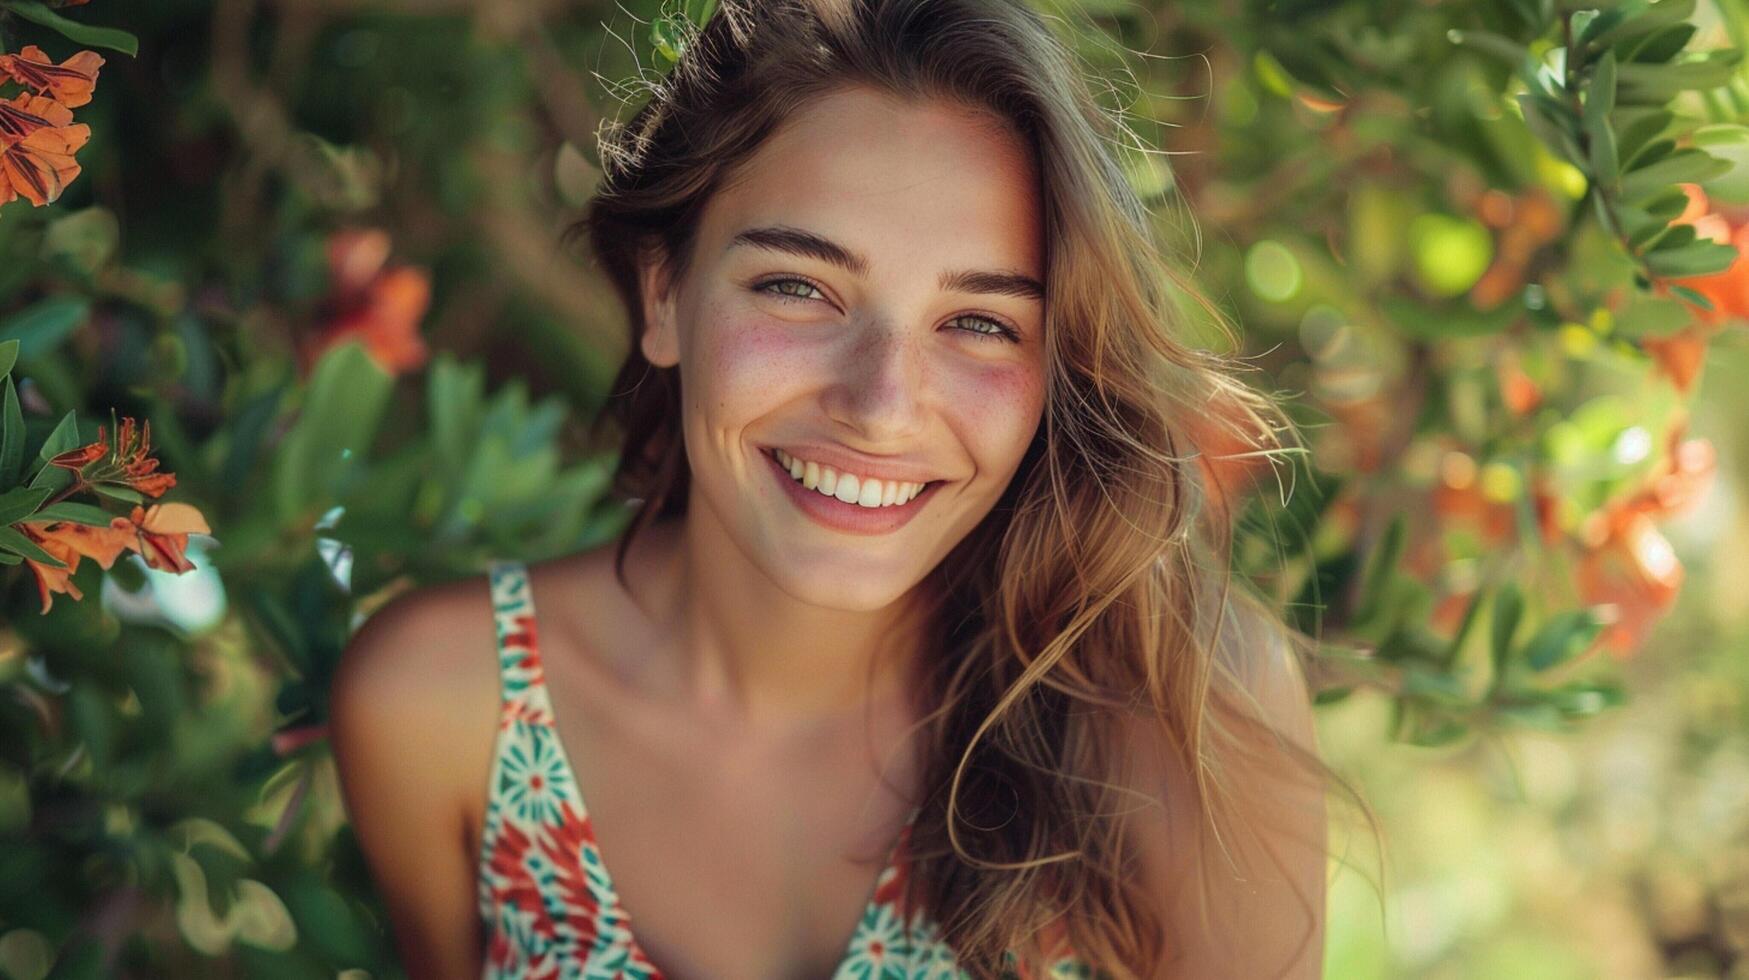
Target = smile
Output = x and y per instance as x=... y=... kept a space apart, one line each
x=864 y=491
x=846 y=502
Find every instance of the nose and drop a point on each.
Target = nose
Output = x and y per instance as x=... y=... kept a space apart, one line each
x=880 y=392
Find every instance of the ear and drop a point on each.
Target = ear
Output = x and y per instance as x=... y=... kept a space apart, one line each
x=660 y=341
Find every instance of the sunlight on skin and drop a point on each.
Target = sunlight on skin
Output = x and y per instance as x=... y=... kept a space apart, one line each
x=885 y=362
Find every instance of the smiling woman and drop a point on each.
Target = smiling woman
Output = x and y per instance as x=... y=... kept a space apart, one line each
x=923 y=570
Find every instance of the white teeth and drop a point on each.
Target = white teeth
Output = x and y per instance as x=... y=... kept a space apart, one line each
x=847 y=487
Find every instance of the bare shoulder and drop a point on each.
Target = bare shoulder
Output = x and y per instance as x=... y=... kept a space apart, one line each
x=411 y=711
x=1237 y=862
x=424 y=656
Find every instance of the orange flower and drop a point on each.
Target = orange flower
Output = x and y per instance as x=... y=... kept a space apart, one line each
x=17 y=122
x=1518 y=390
x=37 y=141
x=1527 y=223
x=69 y=542
x=1680 y=355
x=1626 y=561
x=70 y=83
x=1457 y=499
x=1727 y=290
x=1635 y=571
x=126 y=460
x=159 y=534
x=49 y=579
x=380 y=307
x=162 y=532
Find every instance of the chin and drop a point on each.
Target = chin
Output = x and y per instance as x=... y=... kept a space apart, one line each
x=840 y=588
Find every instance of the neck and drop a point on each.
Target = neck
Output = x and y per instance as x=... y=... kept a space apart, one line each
x=747 y=655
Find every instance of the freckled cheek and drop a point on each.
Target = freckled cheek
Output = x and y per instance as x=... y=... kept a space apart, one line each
x=745 y=363
x=996 y=409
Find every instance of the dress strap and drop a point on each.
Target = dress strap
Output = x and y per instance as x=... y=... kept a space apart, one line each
x=522 y=683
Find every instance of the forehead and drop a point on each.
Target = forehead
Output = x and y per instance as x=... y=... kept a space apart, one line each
x=927 y=183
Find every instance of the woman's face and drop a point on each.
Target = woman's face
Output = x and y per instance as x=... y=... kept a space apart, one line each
x=866 y=297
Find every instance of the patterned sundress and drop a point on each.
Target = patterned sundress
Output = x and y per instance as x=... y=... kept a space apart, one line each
x=545 y=897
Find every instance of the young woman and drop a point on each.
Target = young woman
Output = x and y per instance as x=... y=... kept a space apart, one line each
x=919 y=659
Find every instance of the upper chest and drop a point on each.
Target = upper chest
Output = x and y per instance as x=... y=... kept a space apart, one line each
x=730 y=860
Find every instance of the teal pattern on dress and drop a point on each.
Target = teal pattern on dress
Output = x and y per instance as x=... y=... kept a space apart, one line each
x=545 y=895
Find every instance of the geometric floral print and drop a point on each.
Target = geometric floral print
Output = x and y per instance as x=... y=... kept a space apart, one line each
x=545 y=897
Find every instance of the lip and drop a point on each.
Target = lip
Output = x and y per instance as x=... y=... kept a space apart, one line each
x=844 y=460
x=836 y=515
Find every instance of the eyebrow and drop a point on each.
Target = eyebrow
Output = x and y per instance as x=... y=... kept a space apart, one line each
x=796 y=241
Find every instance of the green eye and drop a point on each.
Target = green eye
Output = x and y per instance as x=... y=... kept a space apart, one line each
x=997 y=329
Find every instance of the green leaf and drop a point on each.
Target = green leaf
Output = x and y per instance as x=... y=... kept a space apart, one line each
x=1582 y=699
x=20 y=503
x=1635 y=19
x=1380 y=569
x=1657 y=212
x=75 y=513
x=1418 y=725
x=1660 y=46
x=18 y=544
x=1728 y=142
x=1674 y=237
x=1599 y=100
x=1649 y=154
x=1447 y=320
x=1464 y=626
x=1435 y=734
x=64 y=437
x=1635 y=127
x=11 y=435
x=341 y=410
x=117 y=492
x=1504 y=48
x=1658 y=84
x=1692 y=296
x=668 y=35
x=1591 y=23
x=8 y=355
x=1694 y=259
x=72 y=30
x=1669 y=205
x=42 y=326
x=8 y=558
x=454 y=405
x=1539 y=715
x=1532 y=13
x=53 y=477
x=1561 y=638
x=1550 y=125
x=1683 y=166
x=1600 y=93
x=699 y=11
x=1508 y=609
x=1436 y=686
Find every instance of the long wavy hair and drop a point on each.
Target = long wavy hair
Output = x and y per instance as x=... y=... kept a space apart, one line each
x=1097 y=593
